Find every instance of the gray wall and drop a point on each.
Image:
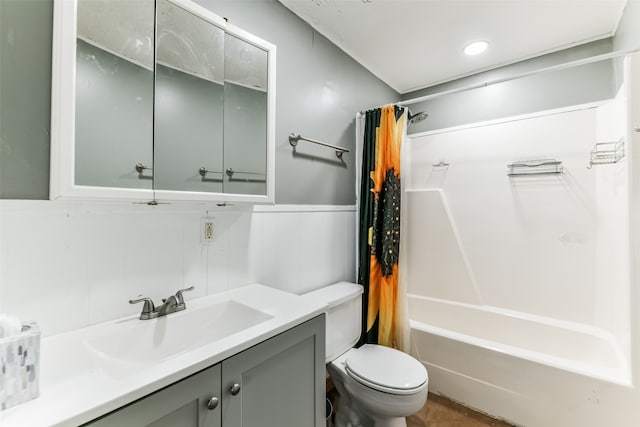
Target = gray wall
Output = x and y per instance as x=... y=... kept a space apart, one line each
x=583 y=84
x=25 y=87
x=319 y=89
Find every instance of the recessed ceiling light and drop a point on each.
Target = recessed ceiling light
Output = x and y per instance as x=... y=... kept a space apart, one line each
x=476 y=48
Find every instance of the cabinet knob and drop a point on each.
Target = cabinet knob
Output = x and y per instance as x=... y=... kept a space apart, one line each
x=234 y=389
x=213 y=403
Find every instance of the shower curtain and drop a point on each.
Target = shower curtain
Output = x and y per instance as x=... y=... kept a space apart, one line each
x=379 y=227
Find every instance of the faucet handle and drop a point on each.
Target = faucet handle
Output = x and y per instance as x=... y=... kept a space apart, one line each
x=181 y=291
x=148 y=307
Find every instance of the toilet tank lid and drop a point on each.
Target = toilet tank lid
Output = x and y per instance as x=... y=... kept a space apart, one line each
x=336 y=293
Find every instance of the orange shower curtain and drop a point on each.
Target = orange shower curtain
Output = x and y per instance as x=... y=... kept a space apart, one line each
x=384 y=232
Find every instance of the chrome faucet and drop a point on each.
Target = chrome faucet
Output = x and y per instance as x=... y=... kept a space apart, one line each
x=169 y=305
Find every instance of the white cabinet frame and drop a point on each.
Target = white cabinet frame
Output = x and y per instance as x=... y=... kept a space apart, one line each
x=63 y=100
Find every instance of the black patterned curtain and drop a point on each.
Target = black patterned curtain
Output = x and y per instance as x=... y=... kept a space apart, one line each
x=379 y=230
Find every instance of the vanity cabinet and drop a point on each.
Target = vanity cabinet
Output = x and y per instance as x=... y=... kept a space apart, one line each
x=279 y=382
x=160 y=100
x=181 y=404
x=282 y=381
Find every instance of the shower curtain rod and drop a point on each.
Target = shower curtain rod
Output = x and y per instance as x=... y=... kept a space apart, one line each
x=558 y=67
x=397 y=104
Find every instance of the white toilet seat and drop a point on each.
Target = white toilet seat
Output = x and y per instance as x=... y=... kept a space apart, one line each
x=386 y=370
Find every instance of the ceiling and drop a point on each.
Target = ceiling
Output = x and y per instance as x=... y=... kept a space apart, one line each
x=412 y=44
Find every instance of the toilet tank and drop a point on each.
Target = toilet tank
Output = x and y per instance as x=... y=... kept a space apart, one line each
x=344 y=316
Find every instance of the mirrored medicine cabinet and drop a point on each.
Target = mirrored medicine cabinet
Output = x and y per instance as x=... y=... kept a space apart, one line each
x=159 y=100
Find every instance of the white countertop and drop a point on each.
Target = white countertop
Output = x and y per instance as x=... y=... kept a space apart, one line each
x=75 y=389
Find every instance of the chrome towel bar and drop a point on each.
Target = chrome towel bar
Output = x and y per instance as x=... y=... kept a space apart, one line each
x=293 y=140
x=230 y=172
x=204 y=171
x=259 y=176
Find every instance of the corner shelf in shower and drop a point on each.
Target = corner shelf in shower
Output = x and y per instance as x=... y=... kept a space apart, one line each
x=605 y=153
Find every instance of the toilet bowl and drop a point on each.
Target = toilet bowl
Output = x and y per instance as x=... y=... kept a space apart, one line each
x=378 y=386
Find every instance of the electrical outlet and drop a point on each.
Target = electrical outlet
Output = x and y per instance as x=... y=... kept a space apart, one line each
x=208 y=231
x=207 y=228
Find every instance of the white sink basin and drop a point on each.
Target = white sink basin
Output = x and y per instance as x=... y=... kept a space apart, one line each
x=92 y=371
x=127 y=346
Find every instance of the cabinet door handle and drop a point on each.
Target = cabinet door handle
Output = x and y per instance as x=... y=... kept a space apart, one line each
x=213 y=403
x=234 y=389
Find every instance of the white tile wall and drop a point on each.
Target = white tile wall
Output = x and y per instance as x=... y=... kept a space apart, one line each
x=304 y=250
x=70 y=264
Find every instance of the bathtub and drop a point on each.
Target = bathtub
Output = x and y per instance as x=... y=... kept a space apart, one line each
x=566 y=346
x=521 y=289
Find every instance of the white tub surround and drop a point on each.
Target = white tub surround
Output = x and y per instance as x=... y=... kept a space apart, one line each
x=521 y=287
x=80 y=381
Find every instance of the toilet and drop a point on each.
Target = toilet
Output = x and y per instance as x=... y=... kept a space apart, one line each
x=378 y=386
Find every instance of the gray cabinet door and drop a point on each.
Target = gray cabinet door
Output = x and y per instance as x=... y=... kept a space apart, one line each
x=282 y=381
x=183 y=404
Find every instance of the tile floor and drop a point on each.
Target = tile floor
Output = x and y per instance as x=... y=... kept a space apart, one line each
x=442 y=412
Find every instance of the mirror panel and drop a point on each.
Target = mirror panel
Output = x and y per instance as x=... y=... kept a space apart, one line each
x=147 y=94
x=245 y=118
x=114 y=93
x=189 y=101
